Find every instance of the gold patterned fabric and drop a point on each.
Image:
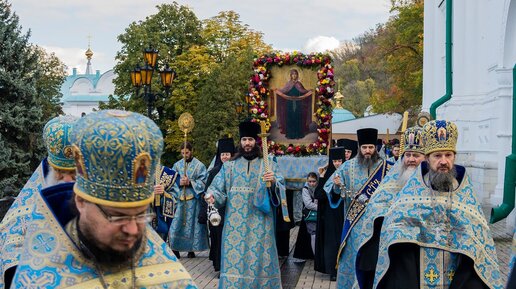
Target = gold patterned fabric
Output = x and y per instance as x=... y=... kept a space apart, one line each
x=186 y=234
x=440 y=135
x=116 y=154
x=249 y=254
x=57 y=138
x=14 y=225
x=51 y=259
x=452 y=222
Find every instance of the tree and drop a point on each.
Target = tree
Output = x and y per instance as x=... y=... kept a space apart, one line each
x=217 y=117
x=233 y=46
x=402 y=48
x=173 y=30
x=225 y=35
x=29 y=85
x=212 y=59
x=48 y=86
x=391 y=55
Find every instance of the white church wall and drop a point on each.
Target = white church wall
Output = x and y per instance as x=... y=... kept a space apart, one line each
x=76 y=109
x=81 y=86
x=105 y=84
x=484 y=53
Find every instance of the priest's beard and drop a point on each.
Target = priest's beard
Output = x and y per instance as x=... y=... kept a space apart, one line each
x=367 y=162
x=106 y=256
x=51 y=178
x=405 y=173
x=250 y=155
x=442 y=182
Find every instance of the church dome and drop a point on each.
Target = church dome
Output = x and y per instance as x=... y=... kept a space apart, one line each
x=341 y=114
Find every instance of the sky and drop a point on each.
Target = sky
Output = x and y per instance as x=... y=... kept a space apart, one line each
x=66 y=26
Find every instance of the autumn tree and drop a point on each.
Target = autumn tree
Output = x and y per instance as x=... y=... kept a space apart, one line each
x=212 y=59
x=390 y=58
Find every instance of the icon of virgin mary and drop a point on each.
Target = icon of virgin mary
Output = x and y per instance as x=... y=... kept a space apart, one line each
x=294 y=110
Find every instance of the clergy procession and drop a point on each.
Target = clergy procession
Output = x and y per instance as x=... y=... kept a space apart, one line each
x=219 y=161
x=101 y=211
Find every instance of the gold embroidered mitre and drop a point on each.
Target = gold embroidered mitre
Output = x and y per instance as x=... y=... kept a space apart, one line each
x=116 y=154
x=439 y=135
x=57 y=137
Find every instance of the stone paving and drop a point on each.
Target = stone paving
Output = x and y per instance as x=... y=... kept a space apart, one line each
x=301 y=275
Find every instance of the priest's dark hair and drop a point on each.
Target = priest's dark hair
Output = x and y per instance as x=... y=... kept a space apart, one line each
x=187 y=145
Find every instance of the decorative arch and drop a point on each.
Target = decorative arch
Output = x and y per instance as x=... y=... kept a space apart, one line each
x=81 y=85
x=509 y=34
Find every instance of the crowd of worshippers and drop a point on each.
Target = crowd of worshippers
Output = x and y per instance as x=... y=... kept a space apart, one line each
x=101 y=211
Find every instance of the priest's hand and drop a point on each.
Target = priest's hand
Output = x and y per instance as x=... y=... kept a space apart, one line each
x=184 y=181
x=159 y=189
x=322 y=171
x=269 y=177
x=336 y=180
x=209 y=198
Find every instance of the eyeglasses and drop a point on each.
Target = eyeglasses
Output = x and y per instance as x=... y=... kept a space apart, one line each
x=124 y=220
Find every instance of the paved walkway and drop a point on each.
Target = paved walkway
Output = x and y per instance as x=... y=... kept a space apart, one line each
x=301 y=275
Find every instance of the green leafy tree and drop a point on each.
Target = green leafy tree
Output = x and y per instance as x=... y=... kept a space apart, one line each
x=172 y=31
x=175 y=32
x=357 y=95
x=217 y=116
x=209 y=56
x=48 y=85
x=29 y=85
x=225 y=35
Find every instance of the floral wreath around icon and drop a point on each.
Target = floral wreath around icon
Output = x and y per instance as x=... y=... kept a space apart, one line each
x=324 y=91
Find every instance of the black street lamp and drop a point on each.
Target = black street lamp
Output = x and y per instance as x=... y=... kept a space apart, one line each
x=142 y=76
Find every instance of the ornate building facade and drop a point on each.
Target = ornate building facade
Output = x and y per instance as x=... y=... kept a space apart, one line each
x=483 y=54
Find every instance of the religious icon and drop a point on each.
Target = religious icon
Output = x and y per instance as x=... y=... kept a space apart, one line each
x=294 y=107
x=441 y=134
x=142 y=171
x=411 y=138
x=68 y=152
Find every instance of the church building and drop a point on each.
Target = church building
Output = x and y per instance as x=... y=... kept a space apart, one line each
x=83 y=92
x=468 y=79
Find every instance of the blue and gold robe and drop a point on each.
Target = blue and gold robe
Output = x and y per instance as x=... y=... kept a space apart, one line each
x=249 y=254
x=364 y=228
x=186 y=234
x=415 y=218
x=49 y=258
x=354 y=177
x=14 y=225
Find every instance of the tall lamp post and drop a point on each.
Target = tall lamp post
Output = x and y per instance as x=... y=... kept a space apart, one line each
x=142 y=77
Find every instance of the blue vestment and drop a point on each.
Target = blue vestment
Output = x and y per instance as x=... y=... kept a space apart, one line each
x=363 y=230
x=353 y=177
x=249 y=254
x=186 y=234
x=14 y=225
x=50 y=257
x=445 y=226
